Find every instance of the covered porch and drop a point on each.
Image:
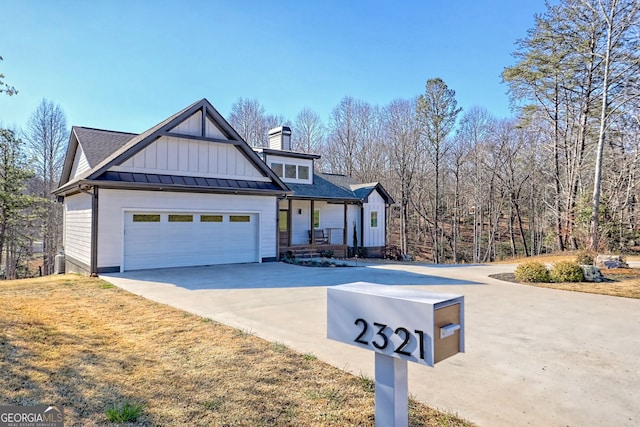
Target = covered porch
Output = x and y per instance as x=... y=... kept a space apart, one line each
x=313 y=228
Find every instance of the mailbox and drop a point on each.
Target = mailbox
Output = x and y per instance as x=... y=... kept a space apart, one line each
x=408 y=324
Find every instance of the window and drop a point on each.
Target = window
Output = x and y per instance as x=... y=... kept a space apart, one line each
x=277 y=168
x=146 y=218
x=239 y=218
x=316 y=218
x=210 y=218
x=374 y=219
x=283 y=220
x=290 y=171
x=180 y=218
x=303 y=172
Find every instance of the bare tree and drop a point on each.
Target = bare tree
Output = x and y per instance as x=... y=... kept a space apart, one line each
x=249 y=119
x=620 y=60
x=46 y=136
x=342 y=143
x=405 y=151
x=308 y=132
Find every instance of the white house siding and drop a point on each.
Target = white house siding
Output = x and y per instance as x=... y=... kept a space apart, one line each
x=80 y=164
x=374 y=237
x=191 y=126
x=180 y=156
x=332 y=216
x=353 y=217
x=300 y=221
x=113 y=203
x=77 y=227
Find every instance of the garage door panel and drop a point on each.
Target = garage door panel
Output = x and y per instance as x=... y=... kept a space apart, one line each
x=159 y=244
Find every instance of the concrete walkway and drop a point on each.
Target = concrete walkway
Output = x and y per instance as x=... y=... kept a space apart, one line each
x=535 y=356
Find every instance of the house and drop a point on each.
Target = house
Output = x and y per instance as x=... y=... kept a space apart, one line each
x=190 y=191
x=336 y=207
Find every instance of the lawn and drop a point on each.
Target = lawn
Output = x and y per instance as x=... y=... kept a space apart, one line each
x=92 y=348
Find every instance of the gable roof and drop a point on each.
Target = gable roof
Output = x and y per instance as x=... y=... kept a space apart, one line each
x=329 y=186
x=322 y=189
x=108 y=148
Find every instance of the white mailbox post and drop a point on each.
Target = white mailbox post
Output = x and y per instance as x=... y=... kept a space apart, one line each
x=399 y=325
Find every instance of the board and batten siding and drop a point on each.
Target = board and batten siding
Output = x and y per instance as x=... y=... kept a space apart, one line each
x=77 y=227
x=80 y=164
x=374 y=236
x=178 y=156
x=193 y=126
x=353 y=217
x=113 y=204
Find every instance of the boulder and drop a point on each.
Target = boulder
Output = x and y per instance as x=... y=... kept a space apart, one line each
x=611 y=261
x=592 y=273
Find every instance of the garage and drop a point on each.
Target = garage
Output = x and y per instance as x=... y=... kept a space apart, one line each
x=179 y=239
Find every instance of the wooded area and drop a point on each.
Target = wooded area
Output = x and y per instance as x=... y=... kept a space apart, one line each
x=561 y=174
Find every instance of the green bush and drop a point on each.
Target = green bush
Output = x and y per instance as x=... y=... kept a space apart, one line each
x=584 y=257
x=566 y=271
x=532 y=271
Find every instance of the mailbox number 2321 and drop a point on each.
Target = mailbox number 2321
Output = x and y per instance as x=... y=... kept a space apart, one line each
x=382 y=337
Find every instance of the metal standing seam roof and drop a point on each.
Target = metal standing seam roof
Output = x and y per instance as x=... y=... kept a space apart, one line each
x=190 y=181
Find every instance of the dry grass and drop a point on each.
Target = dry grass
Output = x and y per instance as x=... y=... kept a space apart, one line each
x=83 y=344
x=619 y=288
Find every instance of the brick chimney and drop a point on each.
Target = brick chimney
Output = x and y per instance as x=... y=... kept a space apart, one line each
x=280 y=138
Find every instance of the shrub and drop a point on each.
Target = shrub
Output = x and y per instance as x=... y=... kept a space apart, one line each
x=566 y=271
x=532 y=271
x=584 y=257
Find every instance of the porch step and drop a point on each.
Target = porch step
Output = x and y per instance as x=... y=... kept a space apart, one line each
x=305 y=253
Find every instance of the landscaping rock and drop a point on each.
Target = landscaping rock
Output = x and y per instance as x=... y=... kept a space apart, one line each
x=611 y=261
x=592 y=273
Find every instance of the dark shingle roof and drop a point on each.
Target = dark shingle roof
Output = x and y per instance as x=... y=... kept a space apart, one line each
x=321 y=189
x=340 y=180
x=98 y=144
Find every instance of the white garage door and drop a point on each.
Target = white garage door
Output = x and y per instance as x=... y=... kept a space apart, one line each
x=178 y=239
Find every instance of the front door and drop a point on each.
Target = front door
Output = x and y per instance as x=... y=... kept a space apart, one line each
x=283 y=227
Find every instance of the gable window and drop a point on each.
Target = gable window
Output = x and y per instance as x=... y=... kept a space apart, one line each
x=316 y=218
x=303 y=172
x=277 y=168
x=290 y=171
x=374 y=219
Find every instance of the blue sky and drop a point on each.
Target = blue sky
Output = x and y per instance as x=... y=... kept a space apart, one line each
x=127 y=65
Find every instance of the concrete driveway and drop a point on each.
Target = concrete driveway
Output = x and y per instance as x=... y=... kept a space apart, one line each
x=535 y=356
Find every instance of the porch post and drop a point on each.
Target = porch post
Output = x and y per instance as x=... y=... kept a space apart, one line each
x=289 y=222
x=311 y=235
x=344 y=228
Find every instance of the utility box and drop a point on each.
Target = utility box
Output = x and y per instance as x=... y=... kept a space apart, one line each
x=409 y=324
